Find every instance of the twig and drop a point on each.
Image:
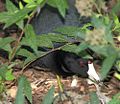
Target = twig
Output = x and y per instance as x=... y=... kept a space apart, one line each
x=52 y=50
x=19 y=39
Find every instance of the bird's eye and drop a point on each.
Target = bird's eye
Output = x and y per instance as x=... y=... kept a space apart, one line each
x=82 y=64
x=90 y=62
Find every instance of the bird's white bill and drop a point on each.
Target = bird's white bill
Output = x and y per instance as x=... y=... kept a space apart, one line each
x=92 y=74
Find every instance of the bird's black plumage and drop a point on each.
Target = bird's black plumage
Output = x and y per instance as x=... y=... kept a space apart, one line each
x=62 y=62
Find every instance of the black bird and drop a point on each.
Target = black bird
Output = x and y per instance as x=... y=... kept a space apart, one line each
x=64 y=63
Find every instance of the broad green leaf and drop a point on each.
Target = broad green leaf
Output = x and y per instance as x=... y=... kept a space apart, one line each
x=116 y=19
x=3 y=70
x=115 y=99
x=97 y=22
x=48 y=99
x=108 y=34
x=20 y=92
x=71 y=31
x=117 y=65
x=57 y=37
x=20 y=24
x=82 y=47
x=70 y=48
x=7 y=48
x=29 y=59
x=25 y=53
x=32 y=58
x=61 y=5
x=18 y=16
x=28 y=90
x=44 y=41
x=28 y=1
x=9 y=75
x=5 y=44
x=24 y=89
x=115 y=9
x=39 y=1
x=104 y=50
x=31 y=5
x=30 y=38
x=101 y=50
x=117 y=75
x=21 y=5
x=4 y=16
x=100 y=22
x=29 y=56
x=107 y=64
x=5 y=41
x=11 y=7
x=94 y=98
x=52 y=3
x=2 y=87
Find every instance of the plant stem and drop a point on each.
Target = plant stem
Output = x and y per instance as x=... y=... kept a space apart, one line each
x=19 y=39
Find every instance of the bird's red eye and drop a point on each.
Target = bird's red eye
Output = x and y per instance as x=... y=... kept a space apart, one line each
x=82 y=64
x=89 y=62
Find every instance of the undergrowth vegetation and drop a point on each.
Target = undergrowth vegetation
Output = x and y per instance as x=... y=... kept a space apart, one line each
x=101 y=40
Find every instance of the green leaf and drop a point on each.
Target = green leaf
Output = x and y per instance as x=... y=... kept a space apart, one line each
x=70 y=48
x=44 y=41
x=5 y=43
x=71 y=31
x=24 y=52
x=100 y=22
x=20 y=92
x=2 y=87
x=108 y=34
x=21 y=5
x=29 y=59
x=30 y=38
x=7 y=48
x=107 y=64
x=39 y=1
x=28 y=1
x=24 y=88
x=61 y=5
x=9 y=75
x=115 y=9
x=94 y=98
x=52 y=3
x=57 y=37
x=4 y=16
x=28 y=90
x=20 y=24
x=29 y=55
x=117 y=75
x=11 y=7
x=32 y=58
x=18 y=16
x=101 y=50
x=115 y=99
x=48 y=99
x=3 y=70
x=104 y=50
x=81 y=47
